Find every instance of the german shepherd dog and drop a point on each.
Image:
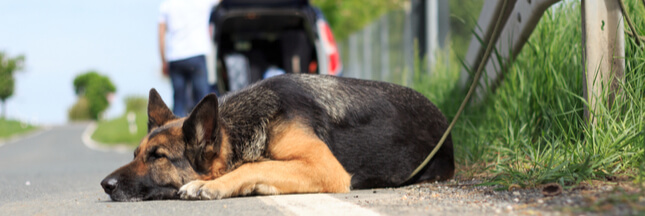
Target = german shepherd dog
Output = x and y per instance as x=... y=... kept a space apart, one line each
x=294 y=133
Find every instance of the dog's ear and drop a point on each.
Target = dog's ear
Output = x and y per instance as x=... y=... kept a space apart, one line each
x=158 y=112
x=200 y=130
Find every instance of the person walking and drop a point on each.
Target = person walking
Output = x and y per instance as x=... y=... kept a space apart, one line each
x=184 y=42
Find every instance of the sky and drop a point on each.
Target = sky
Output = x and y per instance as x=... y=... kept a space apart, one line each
x=63 y=38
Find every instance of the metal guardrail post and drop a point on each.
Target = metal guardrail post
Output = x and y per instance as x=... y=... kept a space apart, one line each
x=519 y=24
x=408 y=49
x=385 y=48
x=432 y=32
x=482 y=32
x=368 y=73
x=354 y=65
x=603 y=46
x=603 y=41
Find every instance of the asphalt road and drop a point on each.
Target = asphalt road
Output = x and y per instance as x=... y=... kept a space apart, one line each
x=52 y=172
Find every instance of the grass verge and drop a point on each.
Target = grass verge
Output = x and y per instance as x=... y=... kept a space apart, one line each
x=532 y=129
x=9 y=128
x=117 y=131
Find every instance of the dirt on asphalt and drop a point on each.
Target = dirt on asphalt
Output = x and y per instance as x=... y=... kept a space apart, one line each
x=470 y=198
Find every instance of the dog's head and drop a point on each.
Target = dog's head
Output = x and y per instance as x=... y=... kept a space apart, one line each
x=175 y=151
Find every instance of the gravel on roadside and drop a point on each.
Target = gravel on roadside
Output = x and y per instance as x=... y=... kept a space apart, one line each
x=470 y=198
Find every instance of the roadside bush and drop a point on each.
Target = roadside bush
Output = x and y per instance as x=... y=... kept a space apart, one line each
x=135 y=103
x=80 y=111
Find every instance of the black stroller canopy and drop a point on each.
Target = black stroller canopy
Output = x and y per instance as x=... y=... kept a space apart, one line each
x=261 y=16
x=231 y=4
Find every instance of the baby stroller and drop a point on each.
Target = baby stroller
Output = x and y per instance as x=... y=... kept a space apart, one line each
x=257 y=39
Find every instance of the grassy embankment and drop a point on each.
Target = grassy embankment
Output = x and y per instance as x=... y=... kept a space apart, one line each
x=117 y=131
x=9 y=128
x=532 y=129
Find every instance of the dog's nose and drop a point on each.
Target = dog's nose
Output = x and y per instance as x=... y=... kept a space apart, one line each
x=109 y=184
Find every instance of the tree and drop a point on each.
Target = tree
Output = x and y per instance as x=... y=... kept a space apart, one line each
x=346 y=17
x=94 y=88
x=8 y=66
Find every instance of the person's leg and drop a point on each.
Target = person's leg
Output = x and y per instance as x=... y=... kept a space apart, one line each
x=199 y=78
x=179 y=81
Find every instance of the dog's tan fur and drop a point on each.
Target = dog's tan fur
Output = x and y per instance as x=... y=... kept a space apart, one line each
x=299 y=163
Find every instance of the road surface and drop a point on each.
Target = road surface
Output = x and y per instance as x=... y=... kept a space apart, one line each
x=52 y=172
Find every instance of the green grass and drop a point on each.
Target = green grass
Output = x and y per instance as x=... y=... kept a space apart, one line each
x=9 y=128
x=532 y=129
x=116 y=131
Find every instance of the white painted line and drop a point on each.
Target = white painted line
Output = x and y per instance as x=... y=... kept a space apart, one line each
x=315 y=204
x=29 y=135
x=91 y=144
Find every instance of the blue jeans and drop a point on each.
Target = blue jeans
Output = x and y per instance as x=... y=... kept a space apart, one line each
x=183 y=73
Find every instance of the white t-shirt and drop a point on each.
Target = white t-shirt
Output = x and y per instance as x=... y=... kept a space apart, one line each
x=187 y=27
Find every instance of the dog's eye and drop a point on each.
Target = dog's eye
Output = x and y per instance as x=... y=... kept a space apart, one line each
x=157 y=155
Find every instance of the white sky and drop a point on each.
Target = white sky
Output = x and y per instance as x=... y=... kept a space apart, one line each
x=63 y=38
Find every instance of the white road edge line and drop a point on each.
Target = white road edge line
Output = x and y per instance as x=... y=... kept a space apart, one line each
x=91 y=144
x=315 y=204
x=29 y=135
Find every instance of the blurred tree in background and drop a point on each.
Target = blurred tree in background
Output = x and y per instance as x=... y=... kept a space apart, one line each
x=8 y=66
x=92 y=90
x=346 y=17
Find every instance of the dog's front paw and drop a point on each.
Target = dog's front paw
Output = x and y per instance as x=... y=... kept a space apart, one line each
x=205 y=190
x=191 y=190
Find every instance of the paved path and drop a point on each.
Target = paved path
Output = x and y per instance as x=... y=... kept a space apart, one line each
x=53 y=173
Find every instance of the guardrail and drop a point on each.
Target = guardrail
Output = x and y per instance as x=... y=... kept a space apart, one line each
x=385 y=49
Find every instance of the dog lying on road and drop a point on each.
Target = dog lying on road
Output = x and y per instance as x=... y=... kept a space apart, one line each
x=288 y=134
